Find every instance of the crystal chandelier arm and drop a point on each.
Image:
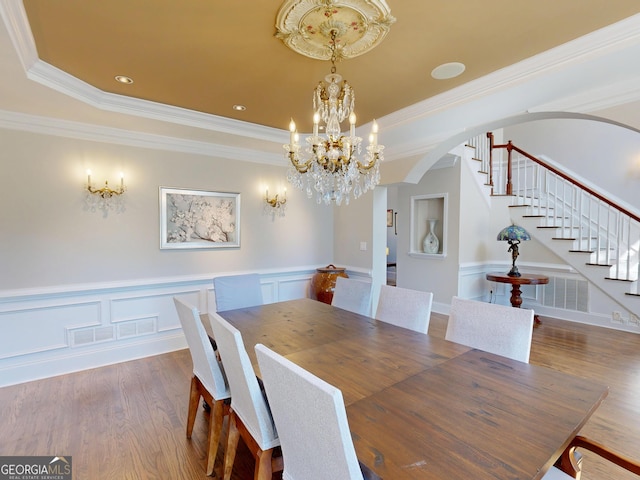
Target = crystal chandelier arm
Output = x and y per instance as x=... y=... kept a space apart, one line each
x=365 y=168
x=300 y=167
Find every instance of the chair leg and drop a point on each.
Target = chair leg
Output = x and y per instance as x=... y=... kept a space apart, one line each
x=232 y=445
x=216 y=420
x=263 y=469
x=194 y=399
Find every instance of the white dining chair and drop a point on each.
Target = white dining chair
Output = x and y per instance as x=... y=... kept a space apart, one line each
x=622 y=461
x=249 y=415
x=352 y=295
x=498 y=329
x=208 y=381
x=311 y=420
x=237 y=291
x=405 y=308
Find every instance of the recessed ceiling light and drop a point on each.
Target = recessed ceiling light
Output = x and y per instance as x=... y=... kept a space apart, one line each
x=448 y=70
x=239 y=108
x=124 y=79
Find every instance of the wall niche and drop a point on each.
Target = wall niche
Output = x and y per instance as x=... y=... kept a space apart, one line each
x=428 y=225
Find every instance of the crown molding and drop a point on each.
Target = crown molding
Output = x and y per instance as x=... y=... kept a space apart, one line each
x=83 y=131
x=616 y=37
x=15 y=19
x=58 y=80
x=620 y=93
x=17 y=24
x=599 y=43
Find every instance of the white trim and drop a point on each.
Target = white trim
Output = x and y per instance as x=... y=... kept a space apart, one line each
x=58 y=313
x=593 y=45
x=96 y=133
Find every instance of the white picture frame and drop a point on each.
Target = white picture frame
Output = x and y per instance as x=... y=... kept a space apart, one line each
x=199 y=219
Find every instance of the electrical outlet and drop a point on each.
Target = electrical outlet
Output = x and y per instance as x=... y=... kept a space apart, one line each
x=363 y=246
x=616 y=317
x=634 y=320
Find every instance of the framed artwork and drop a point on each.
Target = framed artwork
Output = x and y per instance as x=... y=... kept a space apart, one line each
x=199 y=219
x=389 y=218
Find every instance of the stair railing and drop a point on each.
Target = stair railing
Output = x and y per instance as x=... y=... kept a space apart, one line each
x=596 y=224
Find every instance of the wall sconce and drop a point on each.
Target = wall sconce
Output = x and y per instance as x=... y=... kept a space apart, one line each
x=275 y=205
x=105 y=198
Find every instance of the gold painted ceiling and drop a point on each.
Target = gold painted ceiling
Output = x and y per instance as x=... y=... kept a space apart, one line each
x=207 y=56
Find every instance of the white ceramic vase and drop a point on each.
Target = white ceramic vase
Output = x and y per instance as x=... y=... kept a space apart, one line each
x=431 y=244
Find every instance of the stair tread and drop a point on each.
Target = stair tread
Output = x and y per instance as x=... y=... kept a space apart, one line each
x=619 y=279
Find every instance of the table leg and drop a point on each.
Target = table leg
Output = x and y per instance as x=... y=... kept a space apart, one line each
x=516 y=301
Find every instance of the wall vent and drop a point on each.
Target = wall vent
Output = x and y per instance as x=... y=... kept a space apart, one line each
x=566 y=293
x=129 y=329
x=89 y=335
x=137 y=328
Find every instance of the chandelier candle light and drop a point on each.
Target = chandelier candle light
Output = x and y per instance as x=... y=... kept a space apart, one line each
x=333 y=164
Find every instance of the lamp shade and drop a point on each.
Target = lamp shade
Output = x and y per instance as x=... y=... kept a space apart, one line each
x=514 y=232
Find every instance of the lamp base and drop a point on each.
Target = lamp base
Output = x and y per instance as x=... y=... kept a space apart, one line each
x=514 y=272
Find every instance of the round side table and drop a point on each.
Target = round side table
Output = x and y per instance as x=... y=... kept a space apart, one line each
x=523 y=279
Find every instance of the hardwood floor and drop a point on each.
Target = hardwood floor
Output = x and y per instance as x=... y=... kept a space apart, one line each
x=127 y=421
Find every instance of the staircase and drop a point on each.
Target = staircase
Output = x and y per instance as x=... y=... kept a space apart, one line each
x=591 y=233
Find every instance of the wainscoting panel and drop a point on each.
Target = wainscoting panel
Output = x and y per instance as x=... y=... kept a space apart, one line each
x=52 y=332
x=152 y=305
x=567 y=296
x=41 y=328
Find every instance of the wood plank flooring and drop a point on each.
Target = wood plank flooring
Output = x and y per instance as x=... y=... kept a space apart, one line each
x=127 y=421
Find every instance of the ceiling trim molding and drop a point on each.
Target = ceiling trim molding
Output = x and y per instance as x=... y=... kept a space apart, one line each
x=15 y=19
x=608 y=96
x=421 y=146
x=58 y=80
x=83 y=131
x=610 y=39
x=596 y=44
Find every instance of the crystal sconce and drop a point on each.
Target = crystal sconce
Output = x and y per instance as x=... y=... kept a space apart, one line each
x=105 y=198
x=275 y=206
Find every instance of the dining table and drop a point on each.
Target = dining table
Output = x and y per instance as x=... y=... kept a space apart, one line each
x=422 y=407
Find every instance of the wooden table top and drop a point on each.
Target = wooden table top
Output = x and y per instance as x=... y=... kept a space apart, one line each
x=422 y=407
x=523 y=279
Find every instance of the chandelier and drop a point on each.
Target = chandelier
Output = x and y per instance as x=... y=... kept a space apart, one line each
x=332 y=163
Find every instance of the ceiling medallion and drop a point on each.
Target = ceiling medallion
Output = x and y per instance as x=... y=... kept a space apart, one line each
x=359 y=25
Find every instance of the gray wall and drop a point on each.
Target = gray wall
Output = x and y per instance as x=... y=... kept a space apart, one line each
x=48 y=238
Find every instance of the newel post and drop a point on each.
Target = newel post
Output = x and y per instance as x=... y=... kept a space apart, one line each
x=509 y=184
x=490 y=137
